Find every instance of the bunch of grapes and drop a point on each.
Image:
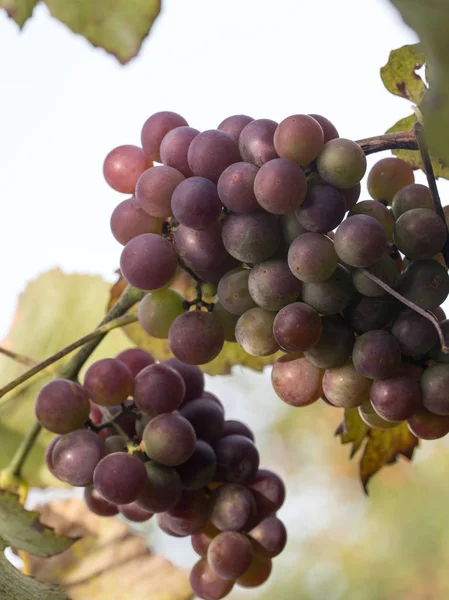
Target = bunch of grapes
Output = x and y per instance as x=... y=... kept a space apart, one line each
x=143 y=438
x=269 y=213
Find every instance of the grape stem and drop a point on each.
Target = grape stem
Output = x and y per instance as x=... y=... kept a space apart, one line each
x=398 y=140
x=420 y=136
x=116 y=317
x=426 y=314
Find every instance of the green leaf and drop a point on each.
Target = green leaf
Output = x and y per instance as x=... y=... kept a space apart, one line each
x=430 y=20
x=413 y=157
x=118 y=26
x=399 y=74
x=22 y=529
x=53 y=311
x=14 y=585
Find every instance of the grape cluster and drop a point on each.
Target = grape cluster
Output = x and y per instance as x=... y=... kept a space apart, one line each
x=143 y=438
x=269 y=213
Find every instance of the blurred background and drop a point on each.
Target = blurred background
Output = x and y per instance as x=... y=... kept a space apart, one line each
x=65 y=104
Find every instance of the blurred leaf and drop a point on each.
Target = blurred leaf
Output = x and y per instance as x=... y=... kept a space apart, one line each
x=22 y=529
x=14 y=585
x=399 y=74
x=352 y=430
x=231 y=355
x=108 y=562
x=413 y=157
x=118 y=26
x=53 y=311
x=383 y=448
x=430 y=20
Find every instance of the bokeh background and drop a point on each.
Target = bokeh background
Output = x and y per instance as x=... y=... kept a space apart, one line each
x=66 y=104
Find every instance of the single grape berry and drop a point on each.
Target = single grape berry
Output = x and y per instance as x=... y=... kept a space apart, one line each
x=62 y=406
x=387 y=177
x=196 y=337
x=341 y=163
x=156 y=128
x=158 y=389
x=230 y=554
x=169 y=439
x=119 y=478
x=123 y=166
x=135 y=359
x=108 y=382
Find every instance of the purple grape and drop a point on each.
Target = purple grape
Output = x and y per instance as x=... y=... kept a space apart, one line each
x=196 y=337
x=49 y=454
x=200 y=541
x=233 y=292
x=237 y=459
x=256 y=142
x=175 y=146
x=280 y=186
x=257 y=574
x=360 y=241
x=428 y=426
x=133 y=512
x=411 y=196
x=323 y=209
x=158 y=389
x=364 y=314
x=299 y=138
x=192 y=375
x=434 y=387
x=108 y=382
x=396 y=398
x=329 y=130
x=162 y=489
x=269 y=536
x=164 y=523
x=190 y=514
x=135 y=359
x=251 y=237
x=120 y=477
x=169 y=439
x=206 y=418
x=376 y=354
x=128 y=220
x=195 y=203
x=351 y=195
x=286 y=373
x=416 y=334
x=98 y=505
x=334 y=345
x=230 y=554
x=232 y=507
x=425 y=283
x=148 y=261
x=233 y=427
x=384 y=269
x=420 y=233
x=123 y=166
x=297 y=327
x=206 y=584
x=61 y=406
x=199 y=469
x=331 y=296
x=236 y=187
x=76 y=455
x=272 y=285
x=155 y=188
x=312 y=258
x=234 y=125
x=156 y=128
x=269 y=492
x=211 y=152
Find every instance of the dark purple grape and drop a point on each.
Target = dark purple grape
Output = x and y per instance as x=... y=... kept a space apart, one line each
x=425 y=283
x=288 y=371
x=162 y=489
x=233 y=427
x=344 y=386
x=428 y=426
x=206 y=584
x=297 y=327
x=230 y=554
x=196 y=337
x=312 y=258
x=257 y=574
x=411 y=196
x=269 y=536
x=377 y=354
x=98 y=505
x=155 y=188
x=158 y=389
x=420 y=233
x=190 y=514
x=108 y=382
x=360 y=241
x=195 y=203
x=322 y=210
x=252 y=237
x=61 y=406
x=438 y=313
x=233 y=292
x=331 y=296
x=254 y=332
x=371 y=418
x=334 y=345
x=272 y=285
x=211 y=152
x=269 y=492
x=256 y=143
x=75 y=456
x=156 y=128
x=123 y=166
x=128 y=220
x=175 y=146
x=387 y=177
x=127 y=421
x=133 y=512
x=169 y=439
x=341 y=163
x=120 y=477
x=416 y=335
x=206 y=418
x=199 y=469
x=49 y=454
x=396 y=398
x=384 y=269
x=135 y=359
x=236 y=187
x=435 y=389
x=164 y=523
x=280 y=186
x=378 y=211
x=351 y=195
x=234 y=125
x=364 y=314
x=237 y=459
x=299 y=138
x=290 y=229
x=148 y=261
x=213 y=398
x=192 y=375
x=200 y=541
x=232 y=507
x=329 y=130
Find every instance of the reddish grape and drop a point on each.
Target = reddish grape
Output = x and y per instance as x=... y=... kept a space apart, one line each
x=61 y=406
x=155 y=188
x=158 y=389
x=280 y=186
x=120 y=477
x=169 y=439
x=237 y=459
x=76 y=455
x=196 y=337
x=133 y=512
x=135 y=359
x=156 y=128
x=230 y=554
x=286 y=373
x=206 y=418
x=162 y=489
x=211 y=152
x=97 y=504
x=123 y=166
x=269 y=537
x=297 y=327
x=192 y=375
x=236 y=187
x=108 y=382
x=195 y=203
x=256 y=143
x=206 y=584
x=234 y=125
x=128 y=220
x=175 y=146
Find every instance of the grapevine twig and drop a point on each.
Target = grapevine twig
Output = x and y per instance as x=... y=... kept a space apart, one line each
x=20 y=358
x=400 y=140
x=427 y=315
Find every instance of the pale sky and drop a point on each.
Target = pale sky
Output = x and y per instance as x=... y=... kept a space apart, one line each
x=65 y=104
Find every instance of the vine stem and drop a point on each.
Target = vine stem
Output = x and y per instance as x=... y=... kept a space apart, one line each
x=116 y=317
x=427 y=315
x=398 y=140
x=20 y=358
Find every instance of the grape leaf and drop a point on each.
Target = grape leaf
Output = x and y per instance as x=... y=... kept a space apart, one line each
x=118 y=26
x=53 y=311
x=108 y=562
x=23 y=529
x=413 y=157
x=380 y=446
x=399 y=74
x=231 y=355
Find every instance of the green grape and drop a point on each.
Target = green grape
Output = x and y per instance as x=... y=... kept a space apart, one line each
x=387 y=177
x=341 y=163
x=378 y=211
x=345 y=386
x=158 y=310
x=312 y=258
